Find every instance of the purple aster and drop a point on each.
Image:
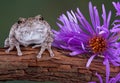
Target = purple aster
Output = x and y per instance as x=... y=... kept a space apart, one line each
x=79 y=36
x=116 y=23
x=115 y=79
x=96 y=38
x=117 y=7
x=111 y=80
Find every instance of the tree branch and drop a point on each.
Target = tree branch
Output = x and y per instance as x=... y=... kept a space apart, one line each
x=61 y=68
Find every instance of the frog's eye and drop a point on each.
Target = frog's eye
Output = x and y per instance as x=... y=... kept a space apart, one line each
x=19 y=21
x=41 y=18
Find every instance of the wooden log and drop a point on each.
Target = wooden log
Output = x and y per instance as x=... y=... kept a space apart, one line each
x=61 y=68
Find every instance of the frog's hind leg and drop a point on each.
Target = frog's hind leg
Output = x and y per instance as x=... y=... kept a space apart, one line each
x=50 y=49
x=46 y=45
x=18 y=50
x=43 y=47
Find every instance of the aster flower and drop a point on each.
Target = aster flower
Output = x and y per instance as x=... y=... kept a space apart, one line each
x=117 y=7
x=96 y=39
x=112 y=80
x=116 y=23
x=79 y=36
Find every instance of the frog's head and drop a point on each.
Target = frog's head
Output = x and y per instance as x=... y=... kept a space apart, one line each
x=37 y=20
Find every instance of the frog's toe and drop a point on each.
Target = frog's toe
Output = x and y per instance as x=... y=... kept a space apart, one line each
x=39 y=56
x=7 y=51
x=52 y=55
x=20 y=54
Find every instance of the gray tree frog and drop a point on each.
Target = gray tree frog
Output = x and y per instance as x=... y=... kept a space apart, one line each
x=27 y=31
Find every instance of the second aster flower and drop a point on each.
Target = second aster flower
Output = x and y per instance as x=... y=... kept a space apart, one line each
x=117 y=7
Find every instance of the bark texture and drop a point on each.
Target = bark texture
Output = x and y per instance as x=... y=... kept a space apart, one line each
x=61 y=68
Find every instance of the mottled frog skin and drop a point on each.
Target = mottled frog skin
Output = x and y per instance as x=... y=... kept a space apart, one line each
x=27 y=31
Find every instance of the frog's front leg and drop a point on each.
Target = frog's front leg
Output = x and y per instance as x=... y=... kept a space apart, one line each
x=43 y=47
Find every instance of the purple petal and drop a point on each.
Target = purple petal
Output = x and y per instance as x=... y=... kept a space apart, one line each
x=82 y=45
x=116 y=62
x=59 y=25
x=85 y=23
x=117 y=78
x=114 y=4
x=55 y=32
x=115 y=30
x=104 y=15
x=76 y=52
x=70 y=39
x=66 y=22
x=116 y=26
x=116 y=21
x=114 y=38
x=117 y=7
x=100 y=78
x=112 y=80
x=106 y=62
x=97 y=18
x=103 y=31
x=108 y=19
x=64 y=47
x=92 y=14
x=72 y=17
x=94 y=17
x=90 y=60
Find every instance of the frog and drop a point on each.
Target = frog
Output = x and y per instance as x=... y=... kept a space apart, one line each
x=30 y=31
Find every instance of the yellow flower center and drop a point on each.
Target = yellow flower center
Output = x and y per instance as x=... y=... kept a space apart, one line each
x=97 y=44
